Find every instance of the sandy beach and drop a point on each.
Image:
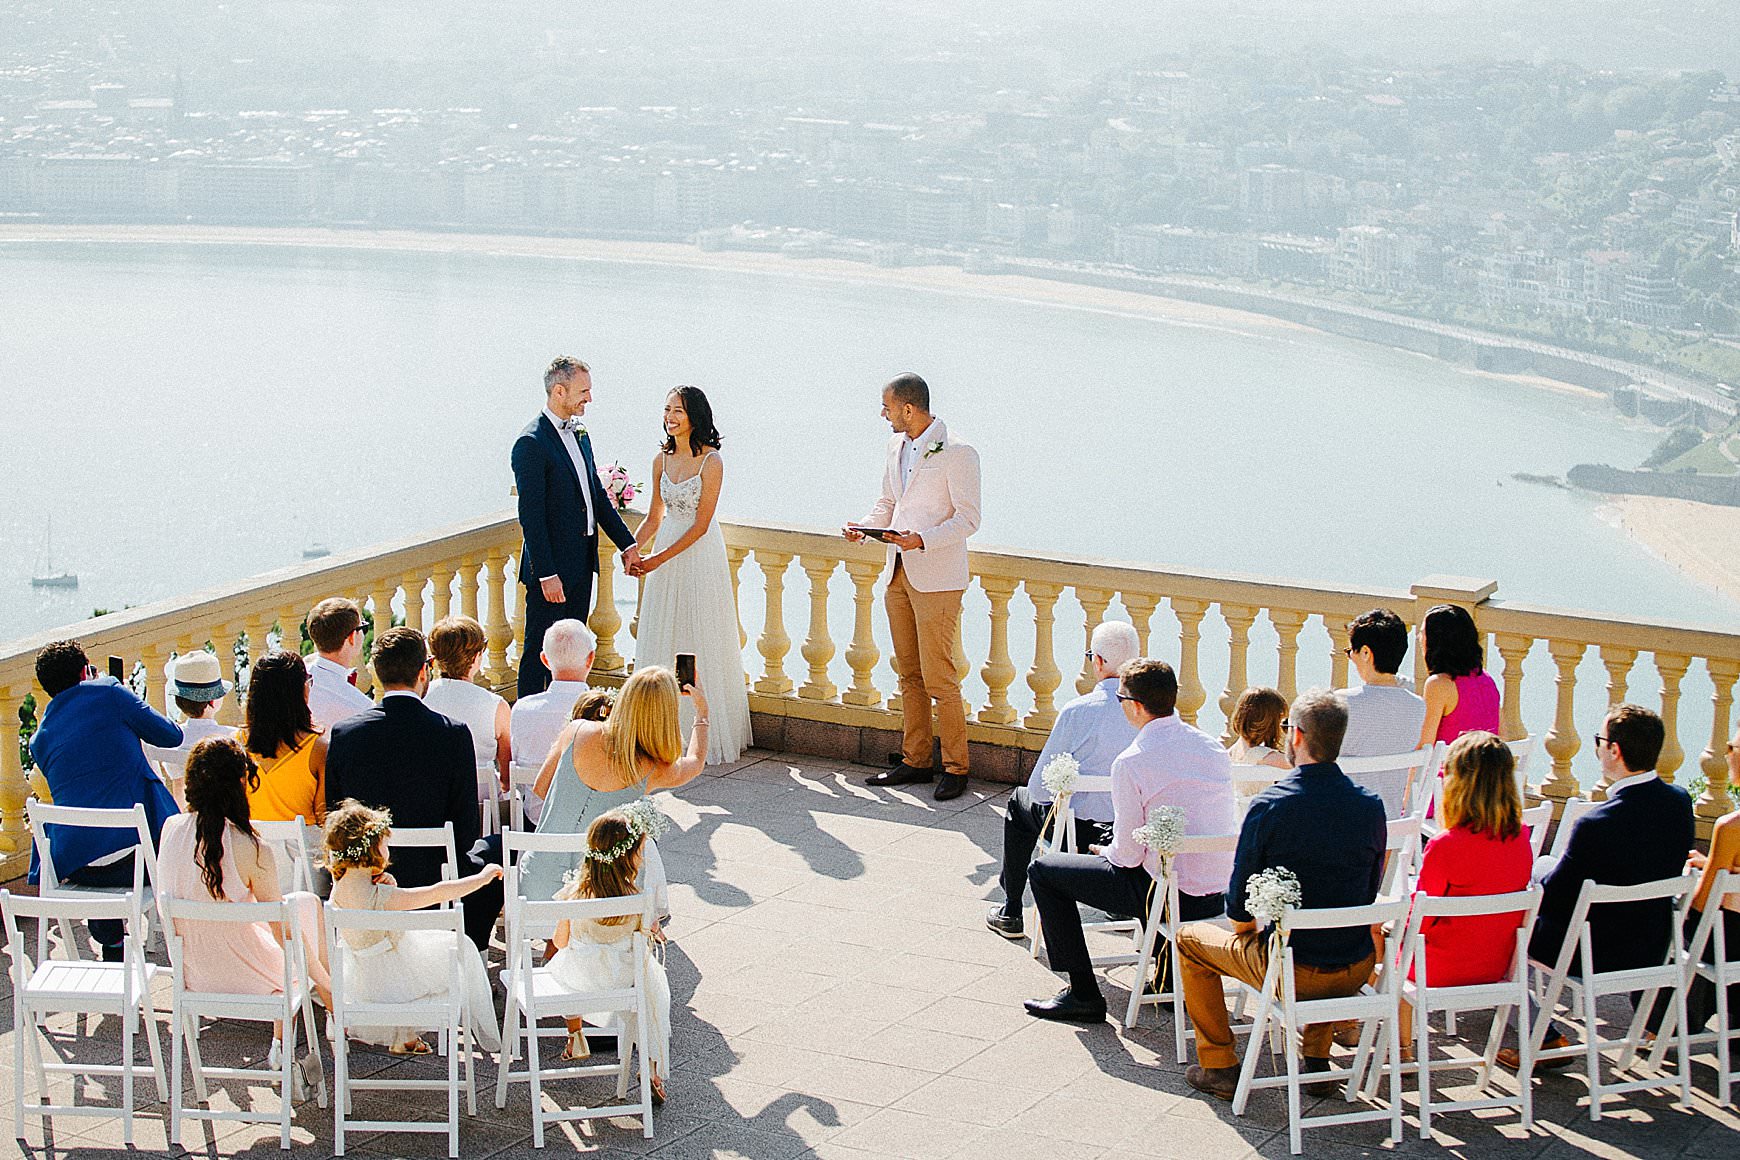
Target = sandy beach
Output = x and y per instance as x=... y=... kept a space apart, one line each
x=1701 y=540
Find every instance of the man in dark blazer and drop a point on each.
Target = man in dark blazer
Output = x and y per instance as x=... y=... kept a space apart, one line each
x=563 y=506
x=1641 y=833
x=404 y=757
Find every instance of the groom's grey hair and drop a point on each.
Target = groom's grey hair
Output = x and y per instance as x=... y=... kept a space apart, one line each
x=566 y=644
x=563 y=368
x=1115 y=642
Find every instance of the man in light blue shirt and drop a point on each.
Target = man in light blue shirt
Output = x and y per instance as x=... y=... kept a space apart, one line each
x=1094 y=730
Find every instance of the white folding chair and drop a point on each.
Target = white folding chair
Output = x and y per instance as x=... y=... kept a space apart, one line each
x=188 y=1007
x=1538 y=820
x=489 y=796
x=1251 y=780
x=1278 y=1005
x=448 y=1013
x=43 y=986
x=533 y=993
x=43 y=814
x=1402 y=849
x=1722 y=971
x=1523 y=751
x=1427 y=783
x=289 y=842
x=1574 y=809
x=1502 y=997
x=1407 y=771
x=1669 y=974
x=428 y=838
x=522 y=776
x=1061 y=840
x=1163 y=922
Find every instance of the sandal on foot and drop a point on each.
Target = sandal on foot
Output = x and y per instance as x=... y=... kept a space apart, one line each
x=417 y=1046
x=658 y=1091
x=577 y=1048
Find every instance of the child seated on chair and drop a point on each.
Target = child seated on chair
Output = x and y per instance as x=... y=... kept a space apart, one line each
x=598 y=954
x=594 y=705
x=400 y=966
x=1257 y=746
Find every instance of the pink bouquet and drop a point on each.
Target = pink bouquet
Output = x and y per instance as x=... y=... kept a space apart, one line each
x=617 y=485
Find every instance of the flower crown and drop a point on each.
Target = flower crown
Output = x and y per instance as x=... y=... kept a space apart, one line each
x=361 y=847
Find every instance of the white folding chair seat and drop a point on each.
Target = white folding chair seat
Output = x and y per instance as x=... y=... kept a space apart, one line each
x=1402 y=853
x=1061 y=840
x=489 y=797
x=448 y=1013
x=188 y=1007
x=522 y=776
x=1723 y=971
x=1414 y=766
x=1375 y=1005
x=1669 y=975
x=289 y=842
x=1163 y=922
x=43 y=986
x=1505 y=998
x=1538 y=820
x=43 y=814
x=533 y=993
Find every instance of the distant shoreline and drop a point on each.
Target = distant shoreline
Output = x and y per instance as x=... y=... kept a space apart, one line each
x=933 y=279
x=1700 y=540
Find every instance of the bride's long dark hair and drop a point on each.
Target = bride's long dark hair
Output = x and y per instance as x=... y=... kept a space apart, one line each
x=702 y=433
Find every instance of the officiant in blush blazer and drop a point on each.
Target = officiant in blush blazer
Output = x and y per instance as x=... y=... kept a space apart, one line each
x=930 y=498
x=562 y=507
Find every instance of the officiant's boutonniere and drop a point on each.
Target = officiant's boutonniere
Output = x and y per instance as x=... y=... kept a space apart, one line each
x=935 y=446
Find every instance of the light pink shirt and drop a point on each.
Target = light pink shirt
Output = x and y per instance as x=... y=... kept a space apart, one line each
x=1174 y=764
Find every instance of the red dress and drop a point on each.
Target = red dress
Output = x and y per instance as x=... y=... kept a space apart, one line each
x=1460 y=862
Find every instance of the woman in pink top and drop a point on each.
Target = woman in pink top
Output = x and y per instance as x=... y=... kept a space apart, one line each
x=1460 y=695
x=1483 y=849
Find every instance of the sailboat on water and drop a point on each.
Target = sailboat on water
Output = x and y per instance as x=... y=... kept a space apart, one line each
x=47 y=577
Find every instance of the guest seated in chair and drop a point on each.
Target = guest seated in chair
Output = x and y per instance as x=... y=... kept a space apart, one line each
x=1639 y=834
x=1384 y=715
x=1093 y=729
x=88 y=747
x=1332 y=834
x=197 y=686
x=538 y=718
x=1169 y=763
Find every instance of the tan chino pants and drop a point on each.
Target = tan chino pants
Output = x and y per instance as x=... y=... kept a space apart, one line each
x=1208 y=952
x=923 y=625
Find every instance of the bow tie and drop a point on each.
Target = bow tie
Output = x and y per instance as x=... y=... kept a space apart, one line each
x=573 y=423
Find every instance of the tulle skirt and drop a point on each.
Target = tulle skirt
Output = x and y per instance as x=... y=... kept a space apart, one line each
x=415 y=965
x=584 y=965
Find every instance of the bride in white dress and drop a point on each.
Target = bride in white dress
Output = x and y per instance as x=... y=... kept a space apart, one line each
x=686 y=603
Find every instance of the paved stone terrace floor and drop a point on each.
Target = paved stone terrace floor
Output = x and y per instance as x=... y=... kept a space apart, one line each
x=837 y=996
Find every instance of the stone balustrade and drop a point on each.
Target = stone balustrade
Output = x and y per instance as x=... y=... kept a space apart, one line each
x=845 y=701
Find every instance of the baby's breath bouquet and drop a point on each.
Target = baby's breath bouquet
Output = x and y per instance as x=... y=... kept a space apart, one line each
x=1271 y=895
x=1059 y=775
x=646 y=820
x=1165 y=825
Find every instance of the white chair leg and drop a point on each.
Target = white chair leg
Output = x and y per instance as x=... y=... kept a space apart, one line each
x=1592 y=1053
x=20 y=1028
x=196 y=1062
x=311 y=1028
x=177 y=1029
x=1248 y=1066
x=158 y=1080
x=510 y=1038
x=341 y=1088
x=453 y=1093
x=1724 y=1044
x=1295 y=1131
x=535 y=1076
x=1684 y=1043
x=128 y=1022
x=646 y=1068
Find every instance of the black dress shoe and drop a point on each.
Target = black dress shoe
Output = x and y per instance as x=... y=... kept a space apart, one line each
x=1004 y=924
x=902 y=774
x=950 y=786
x=1322 y=1089
x=1066 y=1007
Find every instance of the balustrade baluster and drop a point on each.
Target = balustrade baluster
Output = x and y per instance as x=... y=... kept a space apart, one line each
x=441 y=605
x=1287 y=624
x=1141 y=608
x=774 y=642
x=1562 y=741
x=605 y=622
x=258 y=629
x=818 y=646
x=154 y=691
x=498 y=632
x=1716 y=800
x=519 y=611
x=413 y=583
x=734 y=558
x=998 y=672
x=1191 y=695
x=1339 y=642
x=381 y=605
x=862 y=654
x=468 y=587
x=1514 y=649
x=1671 y=667
x=1239 y=618
x=1094 y=602
x=290 y=630
x=1618 y=662
x=1044 y=677
x=223 y=645
x=14 y=789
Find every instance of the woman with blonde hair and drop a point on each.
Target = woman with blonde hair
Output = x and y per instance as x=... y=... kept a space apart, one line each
x=596 y=766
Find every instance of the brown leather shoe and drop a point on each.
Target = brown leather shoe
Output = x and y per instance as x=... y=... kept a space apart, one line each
x=1219 y=1082
x=1510 y=1058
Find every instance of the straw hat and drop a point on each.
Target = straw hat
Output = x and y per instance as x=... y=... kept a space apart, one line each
x=197 y=676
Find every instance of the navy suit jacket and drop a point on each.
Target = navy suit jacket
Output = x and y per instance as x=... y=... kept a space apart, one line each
x=88 y=750
x=405 y=757
x=1641 y=834
x=553 y=512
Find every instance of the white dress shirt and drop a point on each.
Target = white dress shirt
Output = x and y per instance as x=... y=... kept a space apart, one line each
x=1174 y=764
x=331 y=696
x=912 y=451
x=571 y=443
x=173 y=762
x=534 y=725
x=1093 y=730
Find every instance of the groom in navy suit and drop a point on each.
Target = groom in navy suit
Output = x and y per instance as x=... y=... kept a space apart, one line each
x=563 y=506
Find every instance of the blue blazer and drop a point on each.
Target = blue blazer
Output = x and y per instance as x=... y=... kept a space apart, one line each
x=88 y=750
x=553 y=511
x=1640 y=834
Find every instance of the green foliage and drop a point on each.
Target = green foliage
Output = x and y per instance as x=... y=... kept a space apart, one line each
x=1677 y=442
x=27 y=722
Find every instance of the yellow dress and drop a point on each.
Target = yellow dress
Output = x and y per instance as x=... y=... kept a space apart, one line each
x=288 y=786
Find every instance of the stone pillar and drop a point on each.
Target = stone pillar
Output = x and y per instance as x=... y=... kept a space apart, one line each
x=1671 y=667
x=413 y=583
x=154 y=661
x=1562 y=742
x=499 y=631
x=1514 y=649
x=605 y=621
x=862 y=654
x=442 y=604
x=1141 y=606
x=14 y=790
x=999 y=670
x=1239 y=618
x=1043 y=678
x=818 y=646
x=1094 y=602
x=1339 y=641
x=774 y=642
x=734 y=558
x=1716 y=800
x=468 y=587
x=290 y=630
x=1288 y=624
x=1191 y=695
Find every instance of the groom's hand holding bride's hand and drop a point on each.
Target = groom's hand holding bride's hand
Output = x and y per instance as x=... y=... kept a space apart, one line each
x=631 y=560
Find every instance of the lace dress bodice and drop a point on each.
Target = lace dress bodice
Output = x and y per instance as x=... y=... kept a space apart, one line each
x=682 y=499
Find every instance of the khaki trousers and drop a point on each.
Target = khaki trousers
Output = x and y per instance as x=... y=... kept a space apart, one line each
x=923 y=625
x=1208 y=952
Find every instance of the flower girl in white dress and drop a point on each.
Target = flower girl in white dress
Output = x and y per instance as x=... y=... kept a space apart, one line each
x=686 y=604
x=400 y=966
x=598 y=954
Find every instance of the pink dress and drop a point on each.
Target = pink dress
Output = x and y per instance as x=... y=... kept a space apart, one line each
x=1476 y=708
x=229 y=958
